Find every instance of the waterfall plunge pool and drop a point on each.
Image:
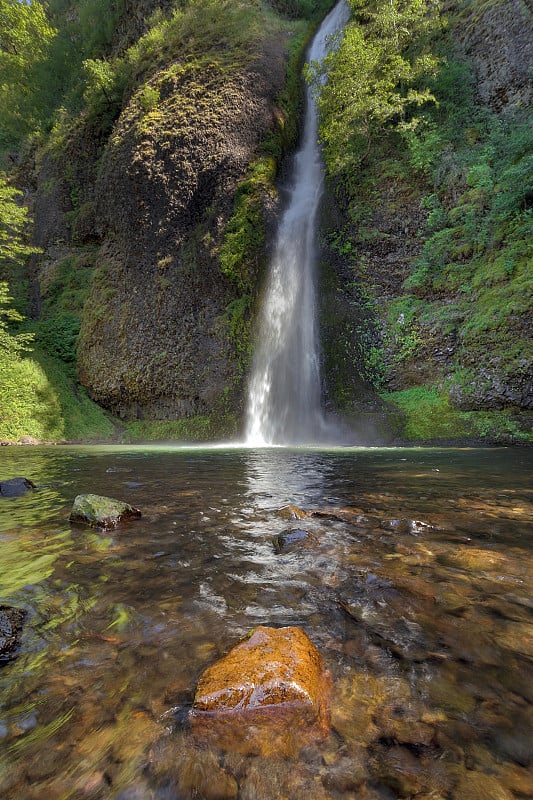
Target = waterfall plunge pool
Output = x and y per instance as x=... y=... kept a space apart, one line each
x=415 y=586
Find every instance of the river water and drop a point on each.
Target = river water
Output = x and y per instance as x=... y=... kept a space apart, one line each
x=414 y=583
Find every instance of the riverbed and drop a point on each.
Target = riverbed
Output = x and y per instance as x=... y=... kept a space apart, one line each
x=413 y=580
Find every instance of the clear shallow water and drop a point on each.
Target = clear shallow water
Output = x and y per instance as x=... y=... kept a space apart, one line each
x=415 y=585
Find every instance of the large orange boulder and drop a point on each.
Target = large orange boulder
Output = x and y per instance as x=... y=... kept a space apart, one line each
x=268 y=696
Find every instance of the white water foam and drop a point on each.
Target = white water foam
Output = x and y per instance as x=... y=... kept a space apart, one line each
x=284 y=396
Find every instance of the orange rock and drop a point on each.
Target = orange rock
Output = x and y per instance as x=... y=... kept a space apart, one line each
x=292 y=512
x=268 y=696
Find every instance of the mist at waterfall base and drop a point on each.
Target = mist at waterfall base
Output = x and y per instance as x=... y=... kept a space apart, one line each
x=284 y=398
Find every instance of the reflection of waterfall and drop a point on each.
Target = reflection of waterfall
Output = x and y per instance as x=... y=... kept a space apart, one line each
x=284 y=395
x=277 y=478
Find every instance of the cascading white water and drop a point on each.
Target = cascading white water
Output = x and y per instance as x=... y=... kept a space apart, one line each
x=284 y=396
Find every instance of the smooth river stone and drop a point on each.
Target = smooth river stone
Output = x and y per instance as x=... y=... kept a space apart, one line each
x=15 y=487
x=268 y=696
x=101 y=512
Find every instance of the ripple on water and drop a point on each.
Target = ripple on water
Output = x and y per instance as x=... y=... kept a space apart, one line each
x=426 y=626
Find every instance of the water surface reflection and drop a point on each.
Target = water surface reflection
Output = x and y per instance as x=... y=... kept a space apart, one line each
x=414 y=582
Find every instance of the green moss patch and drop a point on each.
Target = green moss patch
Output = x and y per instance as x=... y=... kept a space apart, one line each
x=425 y=414
x=192 y=429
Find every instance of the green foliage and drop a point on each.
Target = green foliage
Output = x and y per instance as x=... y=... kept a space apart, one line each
x=238 y=320
x=105 y=82
x=480 y=243
x=25 y=37
x=192 y=429
x=58 y=336
x=404 y=332
x=64 y=294
x=38 y=398
x=470 y=290
x=11 y=345
x=295 y=8
x=426 y=415
x=202 y=30
x=13 y=222
x=376 y=78
x=245 y=232
x=149 y=98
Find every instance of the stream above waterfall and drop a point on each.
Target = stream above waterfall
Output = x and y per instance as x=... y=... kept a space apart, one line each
x=414 y=584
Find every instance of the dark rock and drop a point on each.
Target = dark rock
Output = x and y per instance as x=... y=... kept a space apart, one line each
x=101 y=512
x=375 y=604
x=11 y=623
x=403 y=525
x=499 y=42
x=15 y=487
x=286 y=538
x=354 y=516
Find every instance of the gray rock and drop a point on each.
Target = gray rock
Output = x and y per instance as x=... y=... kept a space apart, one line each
x=284 y=539
x=15 y=487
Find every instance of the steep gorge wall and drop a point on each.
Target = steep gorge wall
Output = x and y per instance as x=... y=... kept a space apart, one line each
x=498 y=38
x=440 y=358
x=144 y=209
x=154 y=339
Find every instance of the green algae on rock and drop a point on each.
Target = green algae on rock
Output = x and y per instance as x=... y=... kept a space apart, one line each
x=100 y=511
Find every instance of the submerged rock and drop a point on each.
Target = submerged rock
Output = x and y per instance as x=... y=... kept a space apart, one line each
x=201 y=776
x=101 y=512
x=403 y=525
x=284 y=539
x=478 y=786
x=475 y=559
x=384 y=614
x=15 y=487
x=291 y=512
x=268 y=696
x=11 y=623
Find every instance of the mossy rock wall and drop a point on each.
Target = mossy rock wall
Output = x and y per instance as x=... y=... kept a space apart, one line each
x=154 y=341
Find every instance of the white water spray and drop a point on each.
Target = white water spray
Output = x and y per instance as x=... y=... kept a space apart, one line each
x=284 y=397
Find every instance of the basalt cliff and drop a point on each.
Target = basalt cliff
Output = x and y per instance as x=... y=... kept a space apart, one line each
x=154 y=207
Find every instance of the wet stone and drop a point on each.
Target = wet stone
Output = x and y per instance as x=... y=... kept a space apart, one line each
x=479 y=786
x=291 y=512
x=374 y=603
x=101 y=512
x=348 y=773
x=16 y=487
x=404 y=525
x=201 y=776
x=473 y=559
x=357 y=701
x=268 y=696
x=399 y=769
x=517 y=779
x=285 y=539
x=517 y=636
x=446 y=694
x=11 y=623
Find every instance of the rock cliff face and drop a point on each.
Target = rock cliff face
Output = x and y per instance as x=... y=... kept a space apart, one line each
x=154 y=339
x=440 y=338
x=151 y=201
x=498 y=38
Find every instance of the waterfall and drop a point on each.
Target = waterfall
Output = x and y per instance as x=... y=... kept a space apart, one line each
x=284 y=395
